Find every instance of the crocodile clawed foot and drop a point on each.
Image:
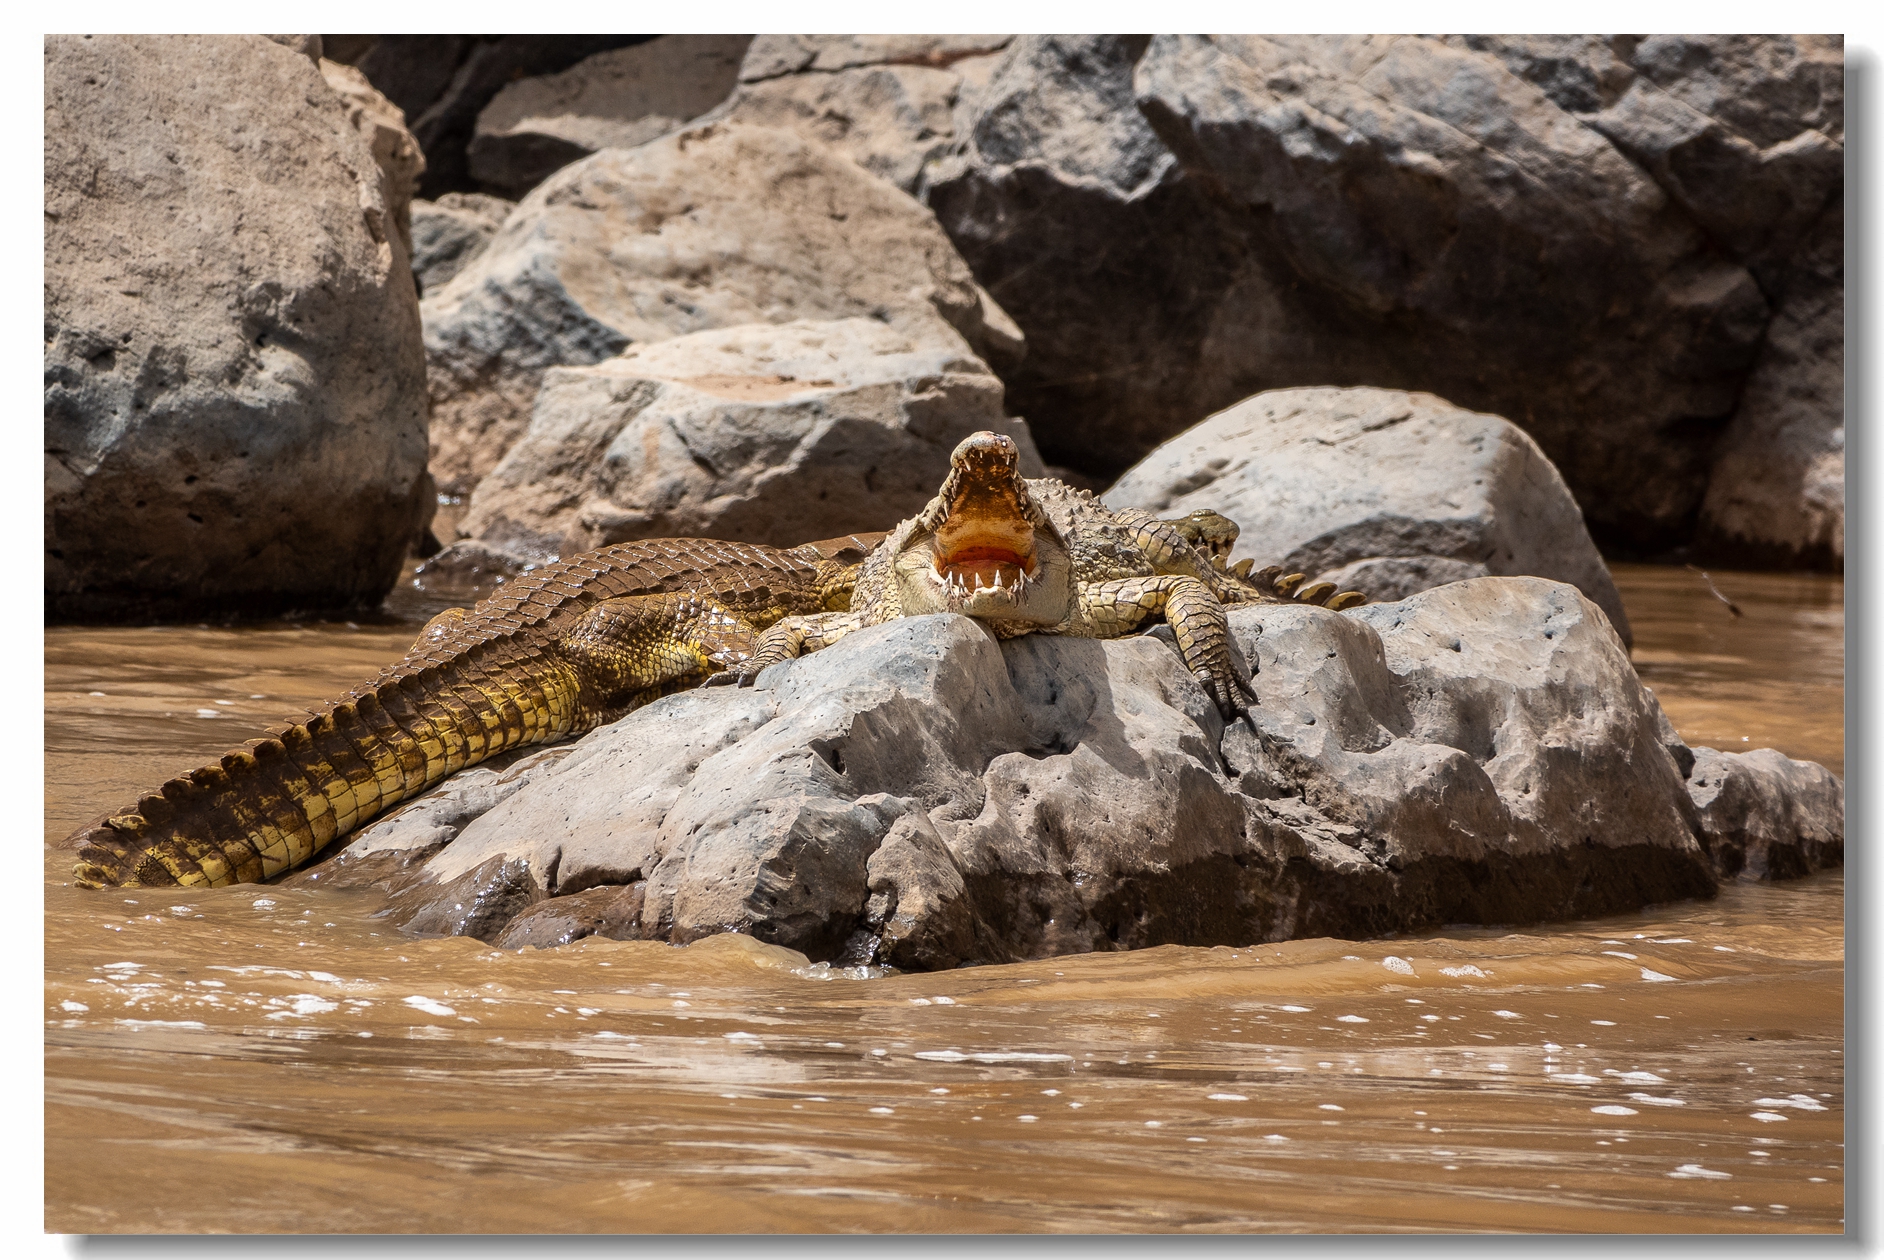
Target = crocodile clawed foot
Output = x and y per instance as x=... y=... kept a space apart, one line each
x=729 y=678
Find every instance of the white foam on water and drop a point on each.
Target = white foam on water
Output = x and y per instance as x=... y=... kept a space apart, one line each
x=1767 y=1117
x=1299 y=1010
x=1228 y=1097
x=1604 y=1023
x=1615 y=1109
x=1507 y=1015
x=1804 y=1102
x=1695 y=1170
x=1654 y=977
x=1331 y=1107
x=1653 y=1101
x=74 y=1007
x=1398 y=965
x=419 y=1002
x=1574 y=1078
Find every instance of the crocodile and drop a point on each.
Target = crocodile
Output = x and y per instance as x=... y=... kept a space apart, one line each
x=558 y=651
x=1035 y=556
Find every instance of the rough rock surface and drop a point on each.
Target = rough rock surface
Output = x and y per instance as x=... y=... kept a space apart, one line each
x=383 y=126
x=612 y=100
x=448 y=233
x=924 y=795
x=1181 y=222
x=706 y=228
x=1766 y=815
x=234 y=377
x=1777 y=491
x=893 y=104
x=443 y=82
x=1377 y=490
x=771 y=433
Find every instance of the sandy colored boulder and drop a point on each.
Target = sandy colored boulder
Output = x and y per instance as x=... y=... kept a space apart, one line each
x=383 y=126
x=1377 y=490
x=705 y=228
x=234 y=382
x=893 y=104
x=611 y=100
x=771 y=433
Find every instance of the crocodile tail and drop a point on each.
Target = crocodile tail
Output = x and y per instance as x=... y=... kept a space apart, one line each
x=272 y=804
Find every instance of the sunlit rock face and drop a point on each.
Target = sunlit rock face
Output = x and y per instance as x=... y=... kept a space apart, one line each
x=924 y=795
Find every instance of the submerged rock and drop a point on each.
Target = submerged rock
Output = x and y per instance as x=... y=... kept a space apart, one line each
x=1377 y=490
x=924 y=795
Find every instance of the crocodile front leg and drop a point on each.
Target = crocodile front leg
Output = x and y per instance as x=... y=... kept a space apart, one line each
x=1110 y=610
x=788 y=640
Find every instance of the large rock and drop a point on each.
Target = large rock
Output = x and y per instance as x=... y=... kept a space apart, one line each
x=612 y=100
x=1183 y=222
x=894 y=104
x=443 y=82
x=706 y=228
x=235 y=388
x=383 y=126
x=1377 y=490
x=924 y=794
x=1767 y=816
x=1777 y=491
x=771 y=433
x=449 y=233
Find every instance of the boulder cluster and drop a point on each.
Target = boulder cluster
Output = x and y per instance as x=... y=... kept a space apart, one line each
x=1427 y=316
x=270 y=274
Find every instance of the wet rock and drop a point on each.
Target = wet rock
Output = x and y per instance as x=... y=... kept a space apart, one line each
x=772 y=433
x=611 y=911
x=1777 y=491
x=612 y=100
x=894 y=104
x=448 y=233
x=1377 y=490
x=706 y=228
x=1766 y=816
x=479 y=903
x=927 y=795
x=234 y=378
x=1182 y=222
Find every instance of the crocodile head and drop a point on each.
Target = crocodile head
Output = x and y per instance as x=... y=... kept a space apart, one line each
x=983 y=546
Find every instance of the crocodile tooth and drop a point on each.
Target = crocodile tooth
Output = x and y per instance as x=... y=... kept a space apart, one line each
x=977 y=579
x=997 y=579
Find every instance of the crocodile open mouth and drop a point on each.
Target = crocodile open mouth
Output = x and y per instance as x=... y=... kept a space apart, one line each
x=975 y=564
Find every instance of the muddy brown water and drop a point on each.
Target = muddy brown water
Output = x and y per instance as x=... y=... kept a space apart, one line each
x=262 y=1059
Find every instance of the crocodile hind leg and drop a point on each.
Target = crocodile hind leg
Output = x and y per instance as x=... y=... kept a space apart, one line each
x=633 y=649
x=1108 y=610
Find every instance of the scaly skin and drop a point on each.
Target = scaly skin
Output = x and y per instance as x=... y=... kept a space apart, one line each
x=557 y=652
x=1038 y=557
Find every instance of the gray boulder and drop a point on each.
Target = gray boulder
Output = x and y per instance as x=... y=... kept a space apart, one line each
x=772 y=433
x=705 y=228
x=448 y=233
x=1181 y=222
x=1766 y=816
x=234 y=378
x=894 y=104
x=611 y=100
x=923 y=794
x=1377 y=490
x=383 y=126
x=1776 y=494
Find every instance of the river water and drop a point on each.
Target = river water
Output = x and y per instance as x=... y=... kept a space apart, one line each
x=259 y=1059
